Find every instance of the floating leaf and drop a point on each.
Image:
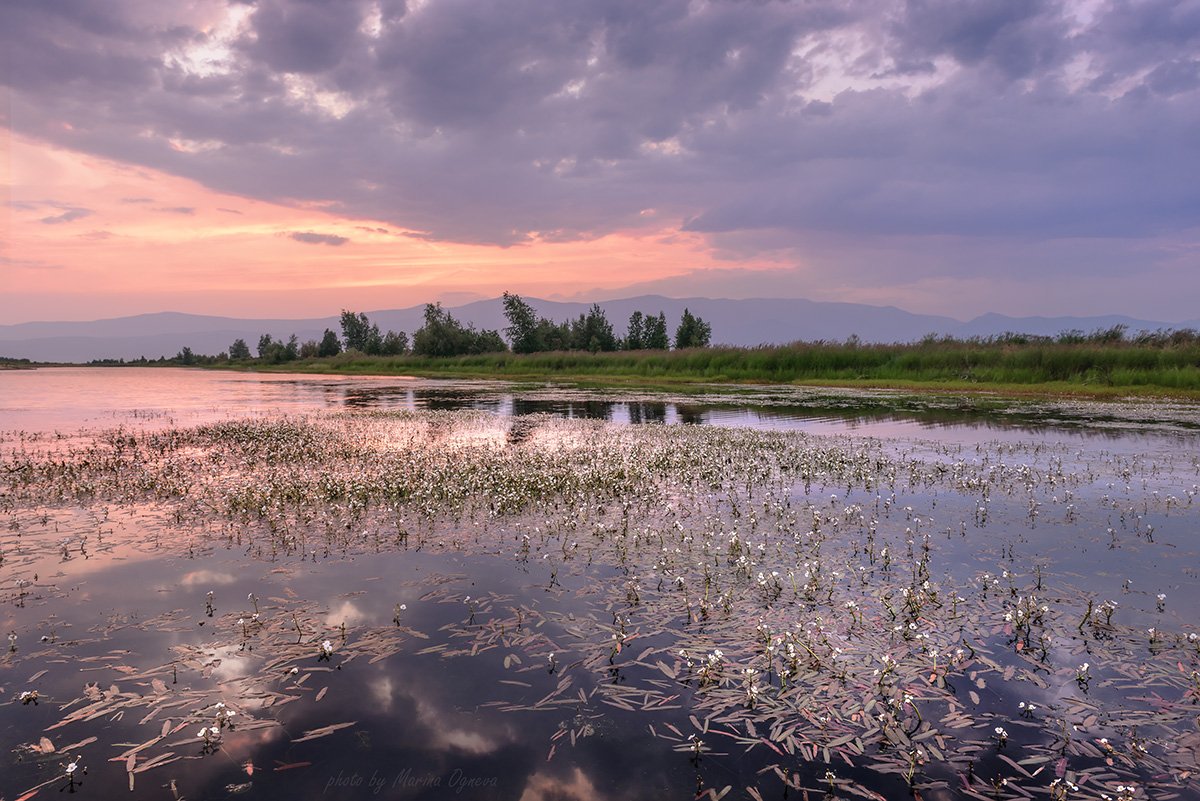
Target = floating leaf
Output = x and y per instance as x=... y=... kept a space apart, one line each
x=323 y=731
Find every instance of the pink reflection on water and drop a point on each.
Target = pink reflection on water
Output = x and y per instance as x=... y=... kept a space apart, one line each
x=67 y=398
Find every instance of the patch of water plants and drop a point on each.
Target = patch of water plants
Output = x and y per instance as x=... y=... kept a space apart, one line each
x=442 y=603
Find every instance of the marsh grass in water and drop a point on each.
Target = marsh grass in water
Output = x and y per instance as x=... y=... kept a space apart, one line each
x=1156 y=367
x=254 y=607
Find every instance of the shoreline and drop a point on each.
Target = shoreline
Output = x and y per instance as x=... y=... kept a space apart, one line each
x=1049 y=390
x=680 y=381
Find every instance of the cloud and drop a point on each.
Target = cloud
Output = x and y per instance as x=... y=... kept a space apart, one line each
x=302 y=37
x=204 y=578
x=29 y=264
x=310 y=238
x=185 y=210
x=70 y=215
x=1014 y=37
x=783 y=127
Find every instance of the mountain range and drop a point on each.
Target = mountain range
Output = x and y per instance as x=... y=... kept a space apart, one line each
x=749 y=322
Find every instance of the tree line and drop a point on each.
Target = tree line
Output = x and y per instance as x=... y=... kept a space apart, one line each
x=443 y=335
x=592 y=331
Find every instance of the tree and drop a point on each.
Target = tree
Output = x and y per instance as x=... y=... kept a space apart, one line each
x=487 y=341
x=374 y=344
x=291 y=351
x=239 y=350
x=274 y=351
x=361 y=334
x=330 y=345
x=593 y=331
x=599 y=330
x=356 y=331
x=310 y=349
x=394 y=344
x=185 y=356
x=436 y=337
x=442 y=335
x=523 y=325
x=554 y=336
x=635 y=336
x=692 y=332
x=656 y=333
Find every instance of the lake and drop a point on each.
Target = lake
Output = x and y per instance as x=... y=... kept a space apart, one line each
x=261 y=586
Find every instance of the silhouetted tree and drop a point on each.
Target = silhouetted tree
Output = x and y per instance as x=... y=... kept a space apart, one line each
x=523 y=325
x=635 y=336
x=554 y=336
x=239 y=350
x=692 y=332
x=274 y=351
x=593 y=331
x=364 y=336
x=656 y=332
x=394 y=344
x=442 y=335
x=330 y=345
x=486 y=341
x=356 y=331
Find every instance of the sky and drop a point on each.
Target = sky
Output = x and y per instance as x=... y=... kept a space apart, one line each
x=290 y=158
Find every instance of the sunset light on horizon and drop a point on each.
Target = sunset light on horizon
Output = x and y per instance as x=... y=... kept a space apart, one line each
x=100 y=238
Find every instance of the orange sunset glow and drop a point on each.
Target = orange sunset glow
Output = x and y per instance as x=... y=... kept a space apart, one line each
x=152 y=240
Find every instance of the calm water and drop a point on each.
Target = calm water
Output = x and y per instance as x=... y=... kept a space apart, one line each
x=66 y=399
x=473 y=649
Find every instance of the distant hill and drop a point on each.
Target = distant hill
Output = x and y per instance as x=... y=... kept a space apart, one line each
x=990 y=324
x=734 y=322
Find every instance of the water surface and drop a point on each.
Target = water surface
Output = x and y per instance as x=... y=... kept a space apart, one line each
x=522 y=586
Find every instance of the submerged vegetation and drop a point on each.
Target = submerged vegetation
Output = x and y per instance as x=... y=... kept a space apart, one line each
x=831 y=617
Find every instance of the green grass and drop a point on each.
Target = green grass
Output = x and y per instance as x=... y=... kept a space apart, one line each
x=1042 y=368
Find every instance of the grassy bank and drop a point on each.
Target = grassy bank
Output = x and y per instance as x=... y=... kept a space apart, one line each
x=1053 y=368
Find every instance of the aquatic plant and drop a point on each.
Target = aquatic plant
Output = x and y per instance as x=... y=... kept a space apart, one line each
x=810 y=603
